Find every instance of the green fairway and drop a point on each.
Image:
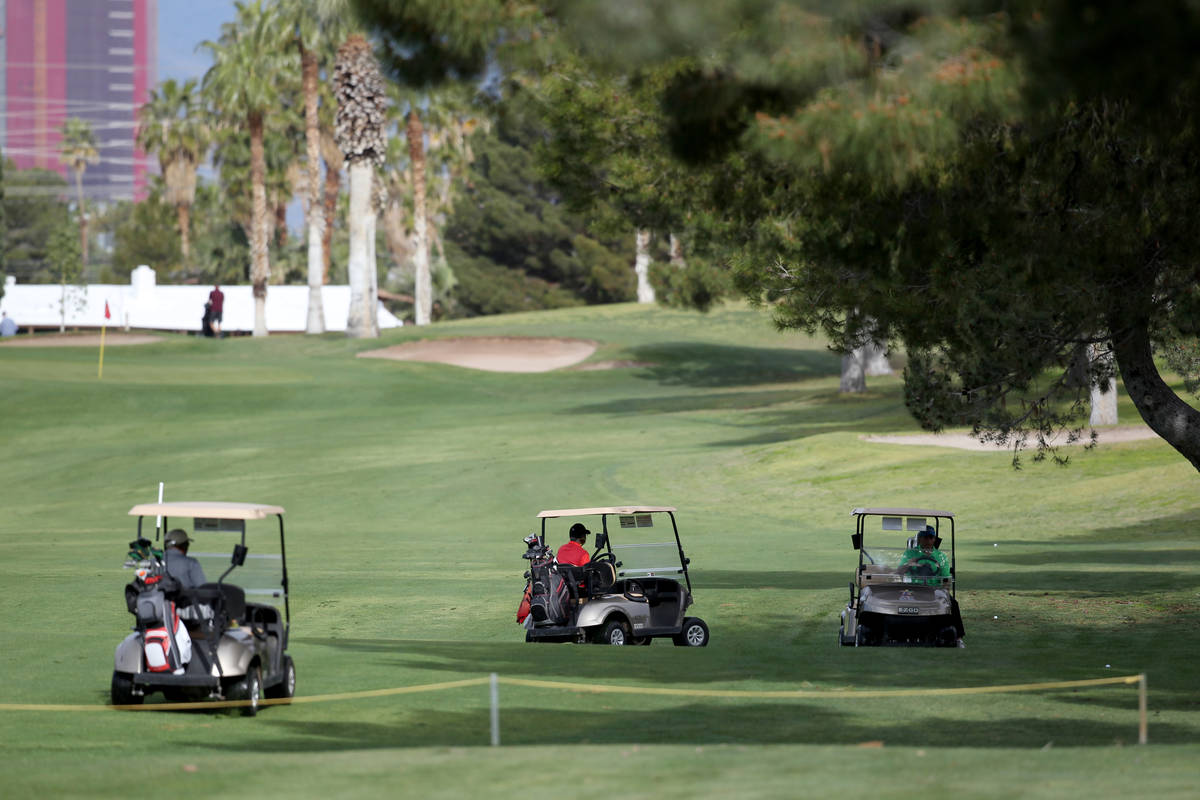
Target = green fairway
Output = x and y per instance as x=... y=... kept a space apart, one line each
x=409 y=487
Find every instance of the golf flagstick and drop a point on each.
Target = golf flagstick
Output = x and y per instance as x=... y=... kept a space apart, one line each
x=103 y=327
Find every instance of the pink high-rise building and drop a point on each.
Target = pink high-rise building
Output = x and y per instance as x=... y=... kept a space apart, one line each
x=92 y=59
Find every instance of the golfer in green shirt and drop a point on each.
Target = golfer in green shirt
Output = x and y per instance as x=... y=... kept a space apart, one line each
x=925 y=563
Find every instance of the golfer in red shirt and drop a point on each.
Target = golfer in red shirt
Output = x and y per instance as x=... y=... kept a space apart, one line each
x=573 y=551
x=216 y=299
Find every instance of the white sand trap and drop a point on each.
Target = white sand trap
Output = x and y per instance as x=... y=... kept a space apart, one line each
x=964 y=441
x=494 y=354
x=79 y=340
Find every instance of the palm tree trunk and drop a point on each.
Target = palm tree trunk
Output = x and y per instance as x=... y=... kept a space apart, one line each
x=281 y=231
x=83 y=220
x=358 y=321
x=183 y=214
x=259 y=265
x=641 y=265
x=333 y=187
x=423 y=288
x=372 y=273
x=313 y=220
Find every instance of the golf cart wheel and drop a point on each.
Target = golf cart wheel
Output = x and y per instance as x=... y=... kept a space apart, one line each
x=947 y=637
x=122 y=690
x=248 y=689
x=693 y=634
x=864 y=636
x=641 y=640
x=287 y=686
x=615 y=632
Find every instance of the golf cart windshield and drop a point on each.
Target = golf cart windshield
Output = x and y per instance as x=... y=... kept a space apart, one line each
x=215 y=528
x=644 y=560
x=884 y=565
x=643 y=539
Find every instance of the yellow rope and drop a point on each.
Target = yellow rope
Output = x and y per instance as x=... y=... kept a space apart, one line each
x=591 y=689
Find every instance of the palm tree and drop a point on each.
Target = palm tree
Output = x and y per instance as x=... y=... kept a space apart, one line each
x=78 y=149
x=360 y=133
x=242 y=84
x=423 y=285
x=317 y=29
x=174 y=125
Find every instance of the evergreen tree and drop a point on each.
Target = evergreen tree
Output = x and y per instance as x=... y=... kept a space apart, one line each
x=997 y=186
x=514 y=244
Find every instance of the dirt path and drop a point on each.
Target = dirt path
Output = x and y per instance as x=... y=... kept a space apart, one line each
x=494 y=354
x=79 y=340
x=963 y=441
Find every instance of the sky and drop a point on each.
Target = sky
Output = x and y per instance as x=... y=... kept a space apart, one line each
x=182 y=26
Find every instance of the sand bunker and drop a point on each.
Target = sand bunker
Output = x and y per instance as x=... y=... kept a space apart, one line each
x=963 y=441
x=494 y=354
x=79 y=340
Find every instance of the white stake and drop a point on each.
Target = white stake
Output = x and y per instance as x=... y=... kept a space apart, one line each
x=495 y=686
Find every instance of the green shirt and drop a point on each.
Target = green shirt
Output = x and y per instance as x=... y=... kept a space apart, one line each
x=935 y=559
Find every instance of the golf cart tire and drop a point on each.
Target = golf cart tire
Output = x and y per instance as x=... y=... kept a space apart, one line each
x=694 y=633
x=864 y=636
x=287 y=687
x=122 y=690
x=947 y=637
x=248 y=688
x=615 y=632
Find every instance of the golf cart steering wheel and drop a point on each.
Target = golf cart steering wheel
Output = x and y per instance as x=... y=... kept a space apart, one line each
x=923 y=567
x=602 y=557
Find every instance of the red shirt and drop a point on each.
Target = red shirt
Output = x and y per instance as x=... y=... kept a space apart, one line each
x=572 y=553
x=217 y=298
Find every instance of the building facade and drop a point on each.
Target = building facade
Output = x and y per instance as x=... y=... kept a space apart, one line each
x=92 y=59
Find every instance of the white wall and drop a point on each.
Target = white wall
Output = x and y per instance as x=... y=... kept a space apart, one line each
x=145 y=305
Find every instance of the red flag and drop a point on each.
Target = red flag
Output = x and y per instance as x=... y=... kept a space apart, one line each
x=106 y=314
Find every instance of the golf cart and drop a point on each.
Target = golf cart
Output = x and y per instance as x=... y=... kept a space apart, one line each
x=902 y=595
x=631 y=591
x=208 y=641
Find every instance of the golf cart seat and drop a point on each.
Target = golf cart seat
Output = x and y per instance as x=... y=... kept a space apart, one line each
x=599 y=576
x=225 y=599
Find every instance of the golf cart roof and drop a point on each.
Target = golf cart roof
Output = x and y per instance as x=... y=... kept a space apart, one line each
x=903 y=512
x=206 y=509
x=587 y=512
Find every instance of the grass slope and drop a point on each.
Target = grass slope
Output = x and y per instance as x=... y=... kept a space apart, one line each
x=409 y=486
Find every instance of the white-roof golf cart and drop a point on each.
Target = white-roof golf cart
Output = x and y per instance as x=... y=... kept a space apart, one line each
x=225 y=639
x=903 y=592
x=635 y=587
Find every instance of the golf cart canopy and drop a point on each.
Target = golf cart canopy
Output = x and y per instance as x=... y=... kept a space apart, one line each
x=206 y=510
x=585 y=512
x=902 y=512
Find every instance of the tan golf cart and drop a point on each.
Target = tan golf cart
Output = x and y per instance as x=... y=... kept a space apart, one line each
x=225 y=639
x=896 y=600
x=635 y=588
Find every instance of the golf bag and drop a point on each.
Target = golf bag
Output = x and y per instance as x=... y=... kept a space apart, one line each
x=206 y=327
x=166 y=643
x=548 y=595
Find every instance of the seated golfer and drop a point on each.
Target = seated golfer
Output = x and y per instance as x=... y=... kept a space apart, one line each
x=925 y=562
x=573 y=552
x=187 y=571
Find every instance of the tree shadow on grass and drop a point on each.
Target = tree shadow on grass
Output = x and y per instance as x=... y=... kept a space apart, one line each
x=764 y=417
x=718 y=365
x=598 y=720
